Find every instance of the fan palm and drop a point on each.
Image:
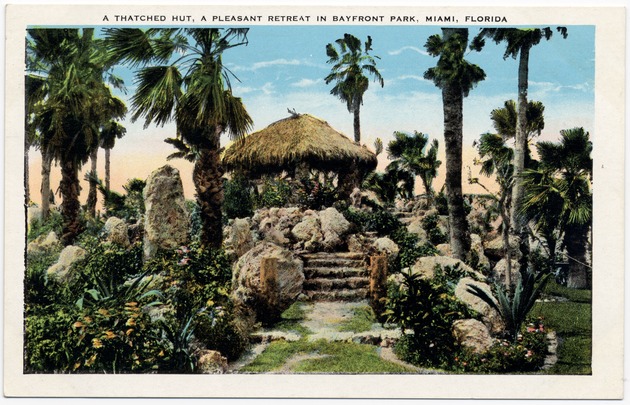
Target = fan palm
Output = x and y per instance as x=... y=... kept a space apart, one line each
x=455 y=77
x=182 y=78
x=73 y=66
x=558 y=197
x=349 y=64
x=409 y=151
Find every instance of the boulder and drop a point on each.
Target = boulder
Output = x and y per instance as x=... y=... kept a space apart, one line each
x=476 y=245
x=444 y=249
x=167 y=221
x=473 y=334
x=494 y=248
x=334 y=227
x=386 y=246
x=415 y=227
x=426 y=266
x=117 y=231
x=33 y=213
x=499 y=272
x=65 y=270
x=490 y=317
x=240 y=236
x=247 y=286
x=309 y=229
x=211 y=362
x=42 y=244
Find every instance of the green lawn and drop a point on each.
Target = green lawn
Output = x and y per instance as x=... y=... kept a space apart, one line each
x=572 y=321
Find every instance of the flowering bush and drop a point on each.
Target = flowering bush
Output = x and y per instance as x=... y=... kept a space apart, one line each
x=526 y=354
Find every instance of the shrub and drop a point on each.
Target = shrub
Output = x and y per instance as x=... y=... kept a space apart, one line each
x=428 y=309
x=38 y=227
x=222 y=332
x=47 y=347
x=410 y=251
x=380 y=220
x=275 y=193
x=239 y=198
x=315 y=194
x=430 y=224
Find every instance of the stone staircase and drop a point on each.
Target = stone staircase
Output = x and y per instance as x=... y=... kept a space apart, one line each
x=340 y=276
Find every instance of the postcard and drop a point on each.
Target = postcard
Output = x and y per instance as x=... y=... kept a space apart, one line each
x=314 y=201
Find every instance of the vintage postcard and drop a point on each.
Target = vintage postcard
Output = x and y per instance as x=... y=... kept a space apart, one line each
x=314 y=202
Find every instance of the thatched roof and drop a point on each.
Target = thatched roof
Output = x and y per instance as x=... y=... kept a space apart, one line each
x=300 y=138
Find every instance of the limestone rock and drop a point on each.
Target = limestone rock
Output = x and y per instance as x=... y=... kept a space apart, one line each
x=499 y=272
x=473 y=334
x=211 y=362
x=415 y=226
x=33 y=213
x=476 y=245
x=65 y=270
x=494 y=248
x=491 y=318
x=444 y=249
x=309 y=229
x=167 y=221
x=334 y=227
x=240 y=236
x=426 y=266
x=247 y=286
x=117 y=231
x=42 y=244
x=386 y=247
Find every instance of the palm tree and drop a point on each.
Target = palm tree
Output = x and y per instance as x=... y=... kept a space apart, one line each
x=558 y=194
x=111 y=131
x=349 y=64
x=72 y=63
x=455 y=77
x=409 y=150
x=519 y=42
x=182 y=78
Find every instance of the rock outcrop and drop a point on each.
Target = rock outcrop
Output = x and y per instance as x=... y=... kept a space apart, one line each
x=167 y=221
x=65 y=270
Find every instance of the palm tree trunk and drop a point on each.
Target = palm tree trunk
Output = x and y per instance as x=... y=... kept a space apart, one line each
x=520 y=151
x=70 y=205
x=453 y=102
x=91 y=199
x=208 y=180
x=107 y=167
x=46 y=192
x=575 y=240
x=357 y=122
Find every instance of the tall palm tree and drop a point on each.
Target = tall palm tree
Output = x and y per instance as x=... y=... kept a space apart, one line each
x=111 y=131
x=558 y=194
x=409 y=150
x=182 y=78
x=114 y=108
x=72 y=63
x=455 y=77
x=349 y=64
x=519 y=42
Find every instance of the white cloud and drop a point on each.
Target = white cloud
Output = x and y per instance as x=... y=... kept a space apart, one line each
x=273 y=63
x=408 y=48
x=549 y=87
x=267 y=88
x=305 y=83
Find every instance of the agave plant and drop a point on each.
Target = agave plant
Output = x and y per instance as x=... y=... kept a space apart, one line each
x=514 y=309
x=106 y=290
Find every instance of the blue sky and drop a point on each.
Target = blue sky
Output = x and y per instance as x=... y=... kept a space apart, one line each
x=284 y=67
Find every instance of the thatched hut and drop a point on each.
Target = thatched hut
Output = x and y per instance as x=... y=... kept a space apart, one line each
x=298 y=141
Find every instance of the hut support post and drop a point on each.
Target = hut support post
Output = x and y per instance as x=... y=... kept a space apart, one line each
x=378 y=283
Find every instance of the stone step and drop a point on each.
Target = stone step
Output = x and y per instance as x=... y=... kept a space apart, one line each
x=328 y=284
x=335 y=272
x=338 y=295
x=403 y=214
x=325 y=262
x=335 y=255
